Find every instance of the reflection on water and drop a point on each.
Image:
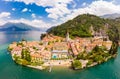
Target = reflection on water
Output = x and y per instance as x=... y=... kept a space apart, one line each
x=8 y=37
x=2 y=38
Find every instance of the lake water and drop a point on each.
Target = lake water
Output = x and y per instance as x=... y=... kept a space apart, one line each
x=10 y=70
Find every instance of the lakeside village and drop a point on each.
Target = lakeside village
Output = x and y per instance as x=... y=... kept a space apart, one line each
x=53 y=50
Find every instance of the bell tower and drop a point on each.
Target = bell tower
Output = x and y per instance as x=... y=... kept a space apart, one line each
x=67 y=36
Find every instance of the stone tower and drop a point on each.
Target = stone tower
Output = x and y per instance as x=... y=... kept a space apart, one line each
x=67 y=37
x=92 y=30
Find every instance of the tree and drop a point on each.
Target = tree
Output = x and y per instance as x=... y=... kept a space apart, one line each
x=22 y=54
x=114 y=36
x=26 y=55
x=89 y=62
x=82 y=55
x=24 y=39
x=42 y=36
x=77 y=64
x=25 y=62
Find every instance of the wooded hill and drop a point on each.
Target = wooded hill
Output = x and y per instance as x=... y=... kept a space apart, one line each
x=80 y=26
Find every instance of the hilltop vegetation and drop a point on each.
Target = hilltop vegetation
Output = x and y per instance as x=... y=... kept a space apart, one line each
x=79 y=26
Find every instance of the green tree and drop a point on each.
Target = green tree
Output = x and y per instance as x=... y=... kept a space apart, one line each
x=22 y=54
x=76 y=64
x=24 y=62
x=89 y=62
x=114 y=36
x=42 y=36
x=82 y=55
x=26 y=55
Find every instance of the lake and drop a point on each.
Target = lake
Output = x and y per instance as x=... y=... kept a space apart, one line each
x=10 y=70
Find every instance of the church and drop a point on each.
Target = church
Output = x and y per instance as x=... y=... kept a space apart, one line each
x=60 y=49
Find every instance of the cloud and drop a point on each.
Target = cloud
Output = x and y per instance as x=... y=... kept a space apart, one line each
x=4 y=15
x=43 y=3
x=84 y=4
x=13 y=9
x=36 y=23
x=33 y=15
x=59 y=11
x=4 y=18
x=74 y=4
x=30 y=10
x=98 y=8
x=7 y=0
x=58 y=8
x=25 y=10
x=117 y=2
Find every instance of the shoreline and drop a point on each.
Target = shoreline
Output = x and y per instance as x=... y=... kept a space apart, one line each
x=35 y=67
x=69 y=66
x=41 y=54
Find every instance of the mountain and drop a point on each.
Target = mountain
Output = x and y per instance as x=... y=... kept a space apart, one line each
x=111 y=16
x=80 y=26
x=87 y=25
x=17 y=27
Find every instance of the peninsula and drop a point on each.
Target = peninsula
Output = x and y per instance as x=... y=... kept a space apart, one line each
x=74 y=47
x=57 y=51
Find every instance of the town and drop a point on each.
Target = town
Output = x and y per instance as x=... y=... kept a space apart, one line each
x=58 y=51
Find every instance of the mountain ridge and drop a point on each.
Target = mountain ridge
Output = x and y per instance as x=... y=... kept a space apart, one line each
x=17 y=27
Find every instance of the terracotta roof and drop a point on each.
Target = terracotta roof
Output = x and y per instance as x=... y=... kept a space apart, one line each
x=17 y=49
x=37 y=55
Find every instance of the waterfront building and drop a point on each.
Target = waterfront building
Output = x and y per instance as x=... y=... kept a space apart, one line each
x=35 y=57
x=38 y=56
x=60 y=50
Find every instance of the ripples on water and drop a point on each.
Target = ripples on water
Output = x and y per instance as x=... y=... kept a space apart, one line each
x=10 y=70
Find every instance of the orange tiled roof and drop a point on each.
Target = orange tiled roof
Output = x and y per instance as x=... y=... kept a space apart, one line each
x=37 y=55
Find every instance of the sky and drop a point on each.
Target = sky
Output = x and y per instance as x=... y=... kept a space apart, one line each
x=47 y=13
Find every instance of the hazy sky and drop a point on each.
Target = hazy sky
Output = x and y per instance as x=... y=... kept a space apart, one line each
x=47 y=13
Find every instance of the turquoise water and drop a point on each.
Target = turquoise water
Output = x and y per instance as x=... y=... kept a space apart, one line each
x=10 y=70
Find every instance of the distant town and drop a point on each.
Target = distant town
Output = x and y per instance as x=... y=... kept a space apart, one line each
x=53 y=50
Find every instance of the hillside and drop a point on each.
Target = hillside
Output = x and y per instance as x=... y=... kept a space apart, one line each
x=80 y=26
x=17 y=27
